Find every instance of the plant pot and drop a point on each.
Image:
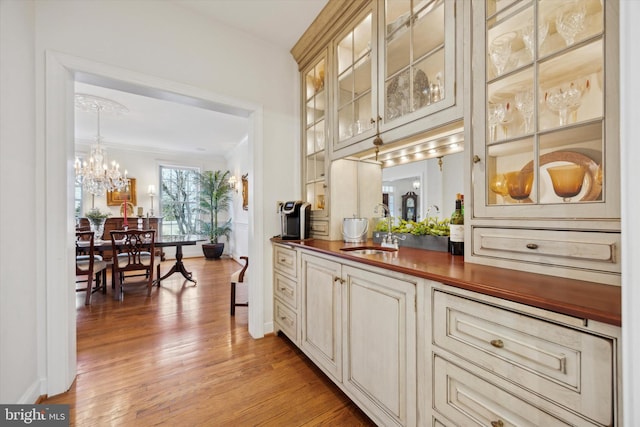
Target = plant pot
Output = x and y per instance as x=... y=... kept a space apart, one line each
x=97 y=226
x=212 y=250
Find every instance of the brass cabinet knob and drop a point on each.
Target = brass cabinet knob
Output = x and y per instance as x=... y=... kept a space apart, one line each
x=532 y=246
x=497 y=343
x=476 y=159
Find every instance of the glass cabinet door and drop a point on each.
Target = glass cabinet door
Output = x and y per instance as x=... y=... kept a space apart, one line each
x=355 y=69
x=314 y=119
x=545 y=125
x=418 y=59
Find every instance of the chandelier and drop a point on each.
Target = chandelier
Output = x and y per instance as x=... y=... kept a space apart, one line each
x=96 y=175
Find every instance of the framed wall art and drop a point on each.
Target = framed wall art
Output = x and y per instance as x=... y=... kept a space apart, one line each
x=116 y=198
x=245 y=191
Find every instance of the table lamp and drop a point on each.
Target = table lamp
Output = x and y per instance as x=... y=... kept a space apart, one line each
x=152 y=193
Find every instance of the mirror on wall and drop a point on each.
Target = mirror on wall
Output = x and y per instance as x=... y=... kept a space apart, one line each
x=434 y=183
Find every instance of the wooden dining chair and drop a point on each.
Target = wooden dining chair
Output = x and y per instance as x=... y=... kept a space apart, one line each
x=134 y=251
x=89 y=264
x=238 y=277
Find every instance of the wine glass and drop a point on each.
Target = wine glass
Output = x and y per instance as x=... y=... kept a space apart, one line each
x=498 y=184
x=524 y=104
x=500 y=51
x=570 y=21
x=519 y=184
x=497 y=114
x=567 y=180
x=529 y=36
x=564 y=100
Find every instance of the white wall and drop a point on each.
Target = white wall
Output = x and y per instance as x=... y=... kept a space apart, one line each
x=21 y=291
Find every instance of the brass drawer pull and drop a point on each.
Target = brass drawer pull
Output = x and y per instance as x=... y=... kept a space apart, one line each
x=532 y=246
x=498 y=423
x=286 y=290
x=338 y=279
x=497 y=343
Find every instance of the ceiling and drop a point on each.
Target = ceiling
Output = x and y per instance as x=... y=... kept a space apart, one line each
x=164 y=126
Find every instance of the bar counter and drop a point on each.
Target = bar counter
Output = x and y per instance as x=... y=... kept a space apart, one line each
x=586 y=300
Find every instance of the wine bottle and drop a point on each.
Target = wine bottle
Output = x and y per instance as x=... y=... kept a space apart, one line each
x=456 y=231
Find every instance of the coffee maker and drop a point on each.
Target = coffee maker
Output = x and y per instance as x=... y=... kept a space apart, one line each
x=295 y=220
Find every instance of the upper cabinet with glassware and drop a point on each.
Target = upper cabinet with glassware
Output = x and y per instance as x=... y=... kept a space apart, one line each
x=545 y=134
x=314 y=128
x=395 y=72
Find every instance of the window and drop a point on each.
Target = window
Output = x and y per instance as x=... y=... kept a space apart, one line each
x=179 y=200
x=77 y=199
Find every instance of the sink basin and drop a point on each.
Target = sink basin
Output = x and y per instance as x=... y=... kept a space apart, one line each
x=368 y=250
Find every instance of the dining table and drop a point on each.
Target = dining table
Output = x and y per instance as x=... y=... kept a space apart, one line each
x=177 y=241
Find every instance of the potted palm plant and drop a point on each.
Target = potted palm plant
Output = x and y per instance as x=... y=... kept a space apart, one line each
x=214 y=198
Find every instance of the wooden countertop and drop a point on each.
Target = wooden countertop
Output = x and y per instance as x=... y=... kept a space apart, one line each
x=586 y=300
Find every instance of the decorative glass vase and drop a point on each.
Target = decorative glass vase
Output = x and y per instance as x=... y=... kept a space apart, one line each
x=97 y=226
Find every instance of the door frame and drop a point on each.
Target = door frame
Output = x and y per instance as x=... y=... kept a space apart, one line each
x=54 y=159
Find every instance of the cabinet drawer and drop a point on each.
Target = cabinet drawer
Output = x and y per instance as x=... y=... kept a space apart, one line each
x=319 y=228
x=287 y=320
x=286 y=289
x=589 y=250
x=469 y=400
x=571 y=367
x=285 y=260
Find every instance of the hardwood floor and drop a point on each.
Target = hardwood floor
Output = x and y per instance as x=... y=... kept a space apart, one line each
x=178 y=358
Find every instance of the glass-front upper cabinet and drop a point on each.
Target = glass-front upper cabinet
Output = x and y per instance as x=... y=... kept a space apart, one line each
x=418 y=61
x=549 y=133
x=315 y=132
x=355 y=63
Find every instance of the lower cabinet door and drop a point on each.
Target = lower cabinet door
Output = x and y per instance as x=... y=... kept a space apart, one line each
x=321 y=314
x=380 y=361
x=468 y=400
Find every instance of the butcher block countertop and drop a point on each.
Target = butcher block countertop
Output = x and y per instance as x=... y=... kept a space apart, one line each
x=586 y=300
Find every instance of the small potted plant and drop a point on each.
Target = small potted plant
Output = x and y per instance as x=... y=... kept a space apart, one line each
x=96 y=222
x=214 y=198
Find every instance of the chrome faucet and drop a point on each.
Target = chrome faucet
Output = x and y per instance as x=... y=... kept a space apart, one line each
x=388 y=241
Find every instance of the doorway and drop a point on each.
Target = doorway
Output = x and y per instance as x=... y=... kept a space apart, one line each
x=57 y=154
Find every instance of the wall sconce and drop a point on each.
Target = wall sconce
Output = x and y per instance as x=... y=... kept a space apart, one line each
x=152 y=193
x=233 y=183
x=416 y=184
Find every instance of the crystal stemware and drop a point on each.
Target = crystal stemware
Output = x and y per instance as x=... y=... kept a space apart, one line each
x=524 y=104
x=519 y=184
x=500 y=51
x=498 y=184
x=564 y=100
x=528 y=36
x=567 y=180
x=497 y=114
x=570 y=21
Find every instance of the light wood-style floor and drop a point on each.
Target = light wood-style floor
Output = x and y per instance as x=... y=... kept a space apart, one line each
x=179 y=359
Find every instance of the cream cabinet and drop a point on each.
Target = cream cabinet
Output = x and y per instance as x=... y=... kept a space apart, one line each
x=499 y=363
x=359 y=326
x=397 y=72
x=545 y=139
x=373 y=68
x=286 y=292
